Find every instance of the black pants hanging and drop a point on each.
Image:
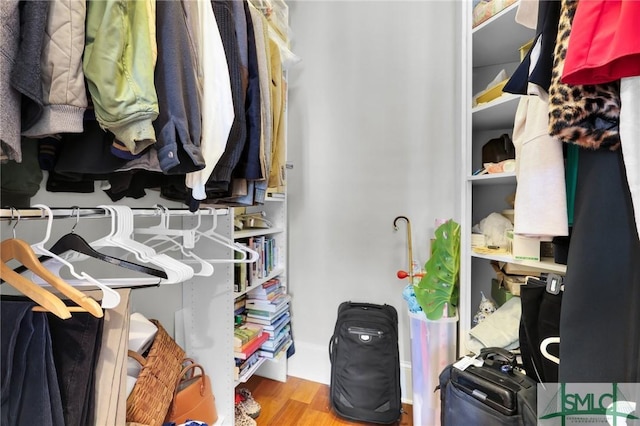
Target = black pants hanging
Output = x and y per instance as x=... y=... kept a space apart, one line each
x=540 y=319
x=58 y=387
x=30 y=392
x=600 y=318
x=76 y=344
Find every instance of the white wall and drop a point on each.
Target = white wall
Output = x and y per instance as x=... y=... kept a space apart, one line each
x=373 y=134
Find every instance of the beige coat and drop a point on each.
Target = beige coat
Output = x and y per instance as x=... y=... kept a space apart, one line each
x=278 y=154
x=63 y=86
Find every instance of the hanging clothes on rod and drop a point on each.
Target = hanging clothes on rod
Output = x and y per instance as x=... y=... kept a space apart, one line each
x=71 y=247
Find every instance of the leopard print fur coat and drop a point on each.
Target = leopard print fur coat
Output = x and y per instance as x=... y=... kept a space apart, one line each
x=585 y=115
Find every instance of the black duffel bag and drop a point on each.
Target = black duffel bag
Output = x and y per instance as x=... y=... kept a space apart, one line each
x=494 y=394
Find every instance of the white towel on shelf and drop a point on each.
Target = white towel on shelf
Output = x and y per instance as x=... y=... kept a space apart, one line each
x=500 y=329
x=541 y=200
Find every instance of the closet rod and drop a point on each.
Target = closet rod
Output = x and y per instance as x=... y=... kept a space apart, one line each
x=94 y=212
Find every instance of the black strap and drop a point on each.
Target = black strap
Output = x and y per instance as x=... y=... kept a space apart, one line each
x=74 y=242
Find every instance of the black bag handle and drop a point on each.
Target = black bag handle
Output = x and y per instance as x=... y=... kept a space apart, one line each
x=363 y=305
x=331 y=349
x=505 y=355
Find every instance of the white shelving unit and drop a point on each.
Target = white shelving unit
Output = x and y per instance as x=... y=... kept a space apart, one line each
x=275 y=209
x=486 y=49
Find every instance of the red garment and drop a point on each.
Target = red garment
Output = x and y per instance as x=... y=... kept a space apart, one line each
x=604 y=45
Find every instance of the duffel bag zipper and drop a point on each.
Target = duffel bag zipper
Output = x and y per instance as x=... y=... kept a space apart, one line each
x=365 y=334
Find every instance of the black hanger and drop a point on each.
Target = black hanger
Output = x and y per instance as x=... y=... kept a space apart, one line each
x=74 y=242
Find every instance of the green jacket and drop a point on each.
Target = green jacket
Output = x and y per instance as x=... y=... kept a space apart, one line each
x=122 y=89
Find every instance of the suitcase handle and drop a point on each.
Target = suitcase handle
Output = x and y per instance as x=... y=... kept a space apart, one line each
x=331 y=349
x=507 y=356
x=365 y=305
x=371 y=306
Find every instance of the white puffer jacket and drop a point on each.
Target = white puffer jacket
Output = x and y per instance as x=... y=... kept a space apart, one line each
x=62 y=76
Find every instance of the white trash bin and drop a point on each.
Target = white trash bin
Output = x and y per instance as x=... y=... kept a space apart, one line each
x=433 y=347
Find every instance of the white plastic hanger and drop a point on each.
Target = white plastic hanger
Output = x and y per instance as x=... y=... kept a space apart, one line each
x=227 y=242
x=122 y=221
x=177 y=272
x=110 y=297
x=163 y=234
x=72 y=248
x=109 y=241
x=163 y=227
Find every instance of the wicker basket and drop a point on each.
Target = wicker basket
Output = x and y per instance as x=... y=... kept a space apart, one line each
x=151 y=396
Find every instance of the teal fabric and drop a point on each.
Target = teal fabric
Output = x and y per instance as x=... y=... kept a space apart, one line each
x=571 y=177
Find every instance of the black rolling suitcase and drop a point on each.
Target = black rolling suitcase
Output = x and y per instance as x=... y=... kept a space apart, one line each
x=494 y=394
x=365 y=363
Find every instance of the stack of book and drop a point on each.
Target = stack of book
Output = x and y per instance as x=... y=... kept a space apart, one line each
x=268 y=306
x=267 y=291
x=244 y=365
x=248 y=338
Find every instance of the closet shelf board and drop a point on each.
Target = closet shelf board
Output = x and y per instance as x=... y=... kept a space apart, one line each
x=493 y=179
x=497 y=114
x=498 y=39
x=247 y=374
x=276 y=272
x=546 y=264
x=246 y=233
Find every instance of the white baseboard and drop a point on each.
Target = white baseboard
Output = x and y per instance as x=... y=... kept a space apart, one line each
x=405 y=382
x=311 y=362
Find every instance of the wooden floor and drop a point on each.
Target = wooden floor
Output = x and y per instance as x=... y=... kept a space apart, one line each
x=300 y=403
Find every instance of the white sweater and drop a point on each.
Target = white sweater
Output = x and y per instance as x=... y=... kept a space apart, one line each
x=217 y=103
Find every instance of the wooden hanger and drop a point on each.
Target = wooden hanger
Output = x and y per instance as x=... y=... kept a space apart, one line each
x=29 y=258
x=21 y=251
